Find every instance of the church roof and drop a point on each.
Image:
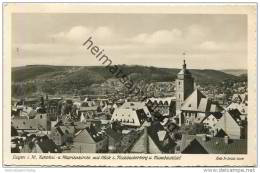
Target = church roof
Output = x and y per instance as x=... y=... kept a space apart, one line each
x=195 y=102
x=204 y=105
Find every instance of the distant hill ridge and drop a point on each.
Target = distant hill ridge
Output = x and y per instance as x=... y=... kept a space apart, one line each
x=235 y=72
x=99 y=74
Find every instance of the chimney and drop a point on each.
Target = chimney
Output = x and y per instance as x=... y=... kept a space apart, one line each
x=226 y=139
x=145 y=140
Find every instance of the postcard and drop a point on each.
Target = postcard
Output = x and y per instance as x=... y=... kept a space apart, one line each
x=127 y=84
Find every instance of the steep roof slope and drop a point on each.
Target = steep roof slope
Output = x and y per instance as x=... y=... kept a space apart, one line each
x=194 y=100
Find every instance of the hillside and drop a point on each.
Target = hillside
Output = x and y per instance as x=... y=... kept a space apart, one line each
x=97 y=74
x=64 y=78
x=235 y=72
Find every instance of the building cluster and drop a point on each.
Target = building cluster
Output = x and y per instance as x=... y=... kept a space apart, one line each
x=186 y=122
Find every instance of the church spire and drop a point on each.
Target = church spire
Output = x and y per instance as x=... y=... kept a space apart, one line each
x=184 y=64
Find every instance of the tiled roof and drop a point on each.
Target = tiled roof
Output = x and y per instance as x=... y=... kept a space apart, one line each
x=241 y=107
x=217 y=115
x=113 y=134
x=136 y=106
x=129 y=140
x=47 y=145
x=155 y=132
x=216 y=145
x=129 y=117
x=95 y=134
x=155 y=136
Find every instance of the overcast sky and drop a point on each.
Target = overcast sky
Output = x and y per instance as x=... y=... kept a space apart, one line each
x=210 y=41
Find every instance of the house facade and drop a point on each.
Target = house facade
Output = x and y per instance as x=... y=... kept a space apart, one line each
x=40 y=122
x=86 y=141
x=165 y=106
x=230 y=124
x=62 y=135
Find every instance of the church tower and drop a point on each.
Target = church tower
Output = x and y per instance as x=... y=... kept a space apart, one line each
x=184 y=86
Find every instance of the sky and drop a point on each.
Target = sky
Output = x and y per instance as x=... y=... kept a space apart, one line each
x=210 y=41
